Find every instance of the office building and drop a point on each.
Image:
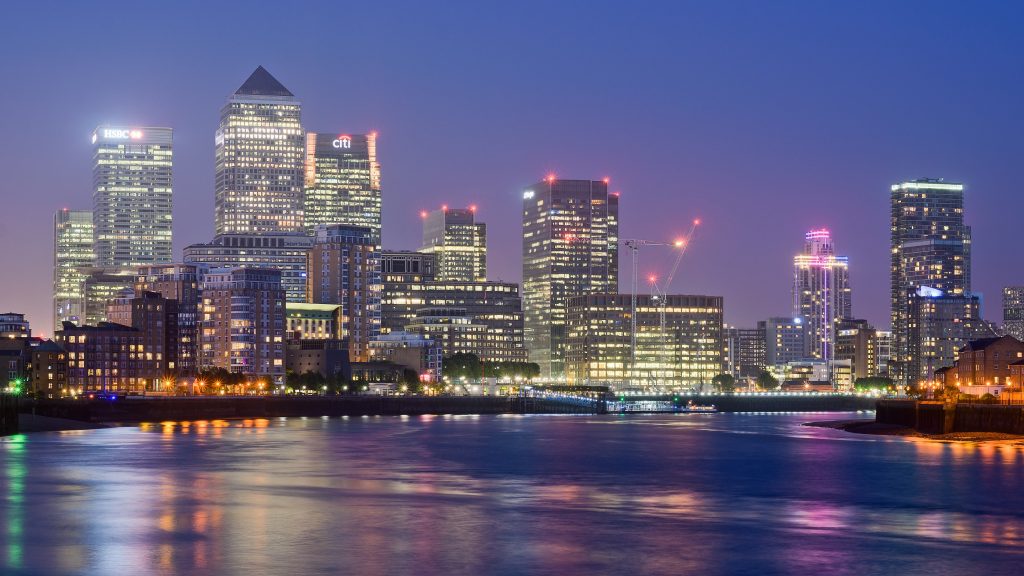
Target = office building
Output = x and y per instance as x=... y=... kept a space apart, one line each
x=325 y=356
x=883 y=352
x=458 y=241
x=404 y=267
x=260 y=149
x=131 y=198
x=100 y=286
x=493 y=308
x=745 y=352
x=242 y=323
x=342 y=181
x=683 y=352
x=821 y=291
x=72 y=251
x=344 y=269
x=786 y=340
x=938 y=326
x=1013 y=311
x=930 y=249
x=285 y=253
x=570 y=249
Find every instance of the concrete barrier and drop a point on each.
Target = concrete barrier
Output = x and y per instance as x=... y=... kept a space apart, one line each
x=8 y=414
x=939 y=418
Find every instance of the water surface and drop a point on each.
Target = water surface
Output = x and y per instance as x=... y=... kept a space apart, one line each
x=560 y=495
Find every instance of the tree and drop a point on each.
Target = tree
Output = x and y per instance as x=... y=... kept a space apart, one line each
x=873 y=383
x=765 y=381
x=461 y=365
x=724 y=383
x=411 y=379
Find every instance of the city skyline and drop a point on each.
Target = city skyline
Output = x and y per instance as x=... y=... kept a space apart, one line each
x=827 y=194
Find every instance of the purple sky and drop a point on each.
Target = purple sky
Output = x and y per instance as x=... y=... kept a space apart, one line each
x=764 y=119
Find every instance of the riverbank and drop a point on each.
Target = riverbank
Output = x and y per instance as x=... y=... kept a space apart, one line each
x=881 y=429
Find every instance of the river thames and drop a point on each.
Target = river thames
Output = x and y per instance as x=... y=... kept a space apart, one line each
x=560 y=495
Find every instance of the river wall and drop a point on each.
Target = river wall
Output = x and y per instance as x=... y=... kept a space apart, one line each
x=8 y=414
x=940 y=418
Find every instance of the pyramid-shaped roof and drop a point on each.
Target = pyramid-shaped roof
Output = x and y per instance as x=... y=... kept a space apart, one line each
x=261 y=83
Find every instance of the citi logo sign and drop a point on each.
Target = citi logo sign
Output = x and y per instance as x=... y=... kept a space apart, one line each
x=342 y=142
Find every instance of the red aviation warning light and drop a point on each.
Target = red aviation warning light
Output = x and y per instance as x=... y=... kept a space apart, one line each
x=472 y=208
x=423 y=214
x=606 y=180
x=550 y=178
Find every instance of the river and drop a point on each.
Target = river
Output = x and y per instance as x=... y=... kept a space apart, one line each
x=508 y=495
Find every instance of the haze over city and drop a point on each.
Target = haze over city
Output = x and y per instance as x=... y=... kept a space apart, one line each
x=765 y=120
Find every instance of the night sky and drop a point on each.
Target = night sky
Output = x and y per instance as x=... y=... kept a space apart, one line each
x=765 y=119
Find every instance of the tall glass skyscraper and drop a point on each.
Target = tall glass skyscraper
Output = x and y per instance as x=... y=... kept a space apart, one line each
x=342 y=181
x=931 y=258
x=458 y=241
x=259 y=157
x=570 y=248
x=821 y=291
x=131 y=196
x=72 y=252
x=1013 y=311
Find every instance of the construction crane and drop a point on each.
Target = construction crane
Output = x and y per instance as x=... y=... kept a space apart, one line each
x=662 y=294
x=634 y=245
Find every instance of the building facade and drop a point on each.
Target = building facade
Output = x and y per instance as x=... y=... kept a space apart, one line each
x=100 y=287
x=72 y=251
x=494 y=306
x=242 y=322
x=459 y=243
x=570 y=249
x=260 y=149
x=986 y=362
x=405 y=267
x=1013 y=311
x=285 y=253
x=412 y=351
x=342 y=181
x=312 y=321
x=113 y=357
x=821 y=291
x=683 y=352
x=180 y=283
x=857 y=344
x=940 y=325
x=344 y=269
x=785 y=340
x=745 y=354
x=132 y=195
x=930 y=248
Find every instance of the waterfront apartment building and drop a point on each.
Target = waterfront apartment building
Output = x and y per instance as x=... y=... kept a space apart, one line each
x=178 y=282
x=786 y=340
x=684 y=352
x=342 y=181
x=458 y=241
x=72 y=251
x=284 y=252
x=411 y=351
x=111 y=357
x=132 y=195
x=931 y=250
x=857 y=345
x=242 y=322
x=344 y=269
x=570 y=249
x=821 y=291
x=14 y=326
x=883 y=351
x=745 y=352
x=986 y=362
x=259 y=155
x=493 y=309
x=312 y=321
x=1013 y=311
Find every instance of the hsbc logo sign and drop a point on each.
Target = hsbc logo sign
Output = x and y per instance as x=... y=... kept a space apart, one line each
x=121 y=134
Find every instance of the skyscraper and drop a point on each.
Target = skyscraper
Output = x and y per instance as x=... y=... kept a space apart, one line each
x=570 y=248
x=931 y=249
x=821 y=291
x=342 y=181
x=1013 y=311
x=259 y=158
x=344 y=268
x=285 y=252
x=72 y=251
x=131 y=198
x=458 y=241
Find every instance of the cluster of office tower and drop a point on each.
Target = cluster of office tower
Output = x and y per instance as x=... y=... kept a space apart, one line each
x=297 y=256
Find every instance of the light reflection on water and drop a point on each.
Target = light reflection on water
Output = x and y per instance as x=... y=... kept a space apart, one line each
x=671 y=494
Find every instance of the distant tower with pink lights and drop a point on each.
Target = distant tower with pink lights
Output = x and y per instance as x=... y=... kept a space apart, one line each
x=458 y=242
x=821 y=290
